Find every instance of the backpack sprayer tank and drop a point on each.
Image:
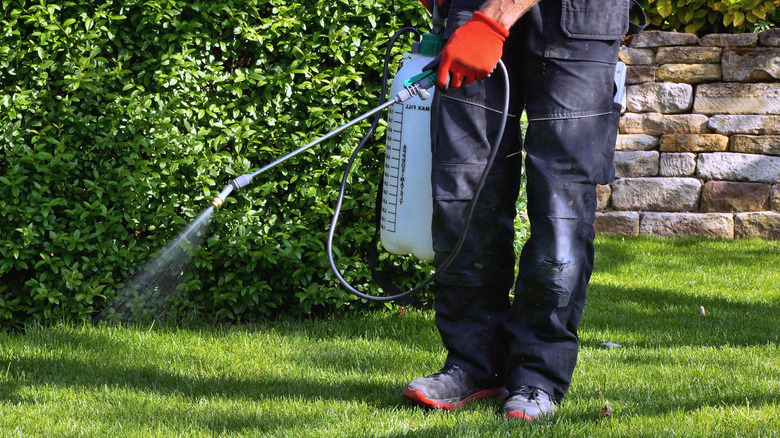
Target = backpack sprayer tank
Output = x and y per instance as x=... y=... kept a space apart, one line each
x=407 y=205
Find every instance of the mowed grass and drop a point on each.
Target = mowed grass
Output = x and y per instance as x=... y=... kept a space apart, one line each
x=680 y=371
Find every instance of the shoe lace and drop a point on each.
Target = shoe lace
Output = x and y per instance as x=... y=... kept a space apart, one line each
x=528 y=392
x=448 y=368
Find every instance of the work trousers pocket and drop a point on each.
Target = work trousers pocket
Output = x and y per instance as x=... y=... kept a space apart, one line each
x=608 y=173
x=595 y=19
x=584 y=30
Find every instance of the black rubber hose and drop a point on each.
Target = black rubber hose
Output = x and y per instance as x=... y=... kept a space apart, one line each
x=469 y=212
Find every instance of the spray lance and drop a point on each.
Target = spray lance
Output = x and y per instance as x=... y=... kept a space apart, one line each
x=417 y=87
x=410 y=124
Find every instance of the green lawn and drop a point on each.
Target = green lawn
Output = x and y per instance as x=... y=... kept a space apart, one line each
x=679 y=372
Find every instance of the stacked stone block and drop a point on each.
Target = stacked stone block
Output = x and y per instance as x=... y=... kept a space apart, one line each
x=699 y=145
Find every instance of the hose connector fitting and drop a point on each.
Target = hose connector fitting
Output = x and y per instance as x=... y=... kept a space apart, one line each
x=236 y=184
x=220 y=199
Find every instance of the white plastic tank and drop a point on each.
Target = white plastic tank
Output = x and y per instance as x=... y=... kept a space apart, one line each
x=407 y=204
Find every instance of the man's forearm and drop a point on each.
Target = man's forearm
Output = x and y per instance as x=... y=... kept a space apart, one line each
x=506 y=12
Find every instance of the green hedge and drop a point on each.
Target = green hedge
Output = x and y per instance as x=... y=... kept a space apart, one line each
x=712 y=16
x=120 y=120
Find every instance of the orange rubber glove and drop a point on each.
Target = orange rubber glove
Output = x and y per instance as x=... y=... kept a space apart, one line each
x=472 y=52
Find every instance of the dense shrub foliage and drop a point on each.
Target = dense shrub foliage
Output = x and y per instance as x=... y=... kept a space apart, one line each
x=120 y=120
x=712 y=16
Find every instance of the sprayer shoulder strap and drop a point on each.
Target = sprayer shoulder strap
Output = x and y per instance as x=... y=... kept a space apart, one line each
x=635 y=28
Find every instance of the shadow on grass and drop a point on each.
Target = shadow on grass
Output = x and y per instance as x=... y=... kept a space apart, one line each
x=94 y=360
x=95 y=377
x=739 y=309
x=668 y=318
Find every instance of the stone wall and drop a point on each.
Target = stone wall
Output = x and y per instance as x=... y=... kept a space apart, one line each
x=699 y=145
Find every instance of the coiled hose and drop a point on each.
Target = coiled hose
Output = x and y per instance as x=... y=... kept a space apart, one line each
x=470 y=209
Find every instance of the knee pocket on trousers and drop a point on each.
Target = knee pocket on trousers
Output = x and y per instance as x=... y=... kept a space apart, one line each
x=550 y=283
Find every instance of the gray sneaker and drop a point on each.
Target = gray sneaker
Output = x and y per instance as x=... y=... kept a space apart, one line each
x=450 y=388
x=529 y=403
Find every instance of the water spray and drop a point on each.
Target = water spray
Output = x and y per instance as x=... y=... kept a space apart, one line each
x=146 y=295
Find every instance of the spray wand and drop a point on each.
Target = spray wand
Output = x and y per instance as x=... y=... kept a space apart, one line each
x=418 y=85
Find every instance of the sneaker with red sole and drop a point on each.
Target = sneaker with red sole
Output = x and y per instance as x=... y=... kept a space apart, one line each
x=450 y=388
x=529 y=404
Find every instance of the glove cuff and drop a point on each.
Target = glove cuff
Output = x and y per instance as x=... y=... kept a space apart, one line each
x=492 y=24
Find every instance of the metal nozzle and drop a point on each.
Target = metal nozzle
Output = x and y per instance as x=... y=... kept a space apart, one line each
x=220 y=199
x=237 y=183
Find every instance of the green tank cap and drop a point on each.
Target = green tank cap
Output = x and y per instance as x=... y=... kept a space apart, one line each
x=431 y=44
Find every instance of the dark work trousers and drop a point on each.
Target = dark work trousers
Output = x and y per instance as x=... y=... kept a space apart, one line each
x=561 y=59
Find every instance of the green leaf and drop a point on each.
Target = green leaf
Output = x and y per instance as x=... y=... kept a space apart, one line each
x=739 y=18
x=664 y=8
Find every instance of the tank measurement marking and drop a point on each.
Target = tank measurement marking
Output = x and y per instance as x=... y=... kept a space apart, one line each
x=394 y=167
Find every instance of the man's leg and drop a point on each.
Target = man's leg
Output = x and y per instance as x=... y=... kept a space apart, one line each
x=569 y=145
x=472 y=293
